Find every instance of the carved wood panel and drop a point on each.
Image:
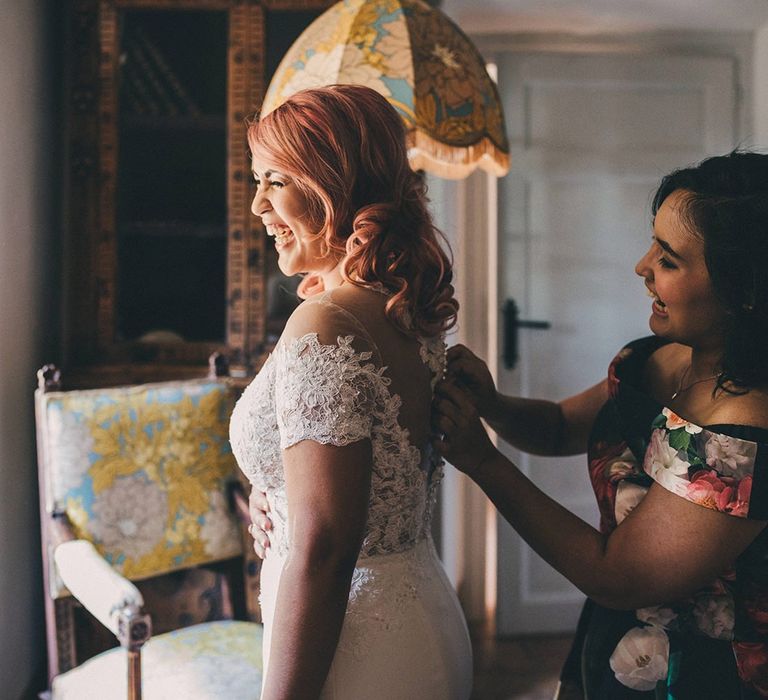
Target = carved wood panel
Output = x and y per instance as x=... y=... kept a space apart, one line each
x=94 y=353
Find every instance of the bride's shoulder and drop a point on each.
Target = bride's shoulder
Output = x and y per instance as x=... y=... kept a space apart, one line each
x=353 y=297
x=343 y=311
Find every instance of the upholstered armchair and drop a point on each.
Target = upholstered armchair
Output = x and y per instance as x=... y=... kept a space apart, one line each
x=138 y=498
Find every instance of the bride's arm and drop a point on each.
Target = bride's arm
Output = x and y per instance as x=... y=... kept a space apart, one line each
x=327 y=489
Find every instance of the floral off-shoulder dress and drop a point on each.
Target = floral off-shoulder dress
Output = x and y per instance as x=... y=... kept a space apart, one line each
x=715 y=643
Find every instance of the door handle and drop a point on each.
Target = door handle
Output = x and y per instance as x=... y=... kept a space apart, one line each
x=512 y=322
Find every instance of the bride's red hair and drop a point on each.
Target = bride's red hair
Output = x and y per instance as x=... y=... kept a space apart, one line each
x=345 y=148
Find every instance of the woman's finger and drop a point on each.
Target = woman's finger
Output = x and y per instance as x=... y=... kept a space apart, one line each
x=258 y=507
x=259 y=549
x=456 y=351
x=449 y=392
x=442 y=447
x=447 y=408
x=260 y=540
x=262 y=521
x=445 y=424
x=258 y=500
x=460 y=362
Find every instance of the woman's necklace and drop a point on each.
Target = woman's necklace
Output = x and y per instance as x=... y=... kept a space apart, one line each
x=681 y=388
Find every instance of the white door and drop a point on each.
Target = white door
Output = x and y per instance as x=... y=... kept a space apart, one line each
x=591 y=136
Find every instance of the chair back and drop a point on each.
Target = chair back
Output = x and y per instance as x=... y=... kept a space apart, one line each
x=142 y=472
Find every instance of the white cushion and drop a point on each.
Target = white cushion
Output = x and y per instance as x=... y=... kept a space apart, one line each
x=210 y=661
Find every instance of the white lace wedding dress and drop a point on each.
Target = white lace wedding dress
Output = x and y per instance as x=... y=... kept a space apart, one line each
x=336 y=380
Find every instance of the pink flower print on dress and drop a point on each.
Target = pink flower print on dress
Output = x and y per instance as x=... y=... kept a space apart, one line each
x=715 y=616
x=674 y=422
x=709 y=490
x=613 y=380
x=628 y=495
x=602 y=456
x=656 y=616
x=756 y=607
x=641 y=658
x=739 y=506
x=752 y=660
x=730 y=455
x=720 y=493
x=618 y=468
x=663 y=464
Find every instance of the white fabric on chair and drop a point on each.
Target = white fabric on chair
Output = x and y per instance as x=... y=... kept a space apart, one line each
x=101 y=590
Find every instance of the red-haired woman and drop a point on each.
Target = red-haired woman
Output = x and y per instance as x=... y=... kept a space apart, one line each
x=336 y=426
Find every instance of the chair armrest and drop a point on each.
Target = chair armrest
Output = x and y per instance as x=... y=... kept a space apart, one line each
x=238 y=502
x=111 y=598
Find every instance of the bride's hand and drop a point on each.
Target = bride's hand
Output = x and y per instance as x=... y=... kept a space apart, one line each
x=260 y=522
x=465 y=442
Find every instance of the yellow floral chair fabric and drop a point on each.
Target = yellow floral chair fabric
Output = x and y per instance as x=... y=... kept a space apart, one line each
x=142 y=471
x=144 y=475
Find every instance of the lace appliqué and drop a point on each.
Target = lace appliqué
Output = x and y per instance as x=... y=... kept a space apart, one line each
x=253 y=431
x=326 y=393
x=333 y=394
x=433 y=354
x=381 y=595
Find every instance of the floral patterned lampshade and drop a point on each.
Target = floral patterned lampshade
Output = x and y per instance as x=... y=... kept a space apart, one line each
x=422 y=63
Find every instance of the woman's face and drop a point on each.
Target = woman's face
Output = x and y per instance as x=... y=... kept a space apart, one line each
x=284 y=211
x=684 y=308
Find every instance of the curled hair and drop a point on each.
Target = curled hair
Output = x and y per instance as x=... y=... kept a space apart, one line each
x=727 y=208
x=345 y=148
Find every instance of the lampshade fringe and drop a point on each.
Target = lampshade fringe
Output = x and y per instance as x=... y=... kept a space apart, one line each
x=455 y=162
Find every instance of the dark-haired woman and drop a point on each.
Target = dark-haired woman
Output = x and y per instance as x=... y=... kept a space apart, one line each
x=336 y=427
x=677 y=442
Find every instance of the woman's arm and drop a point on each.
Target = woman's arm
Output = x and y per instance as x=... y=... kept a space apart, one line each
x=535 y=426
x=327 y=489
x=665 y=549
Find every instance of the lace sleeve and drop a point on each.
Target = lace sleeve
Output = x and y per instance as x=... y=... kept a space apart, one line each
x=327 y=380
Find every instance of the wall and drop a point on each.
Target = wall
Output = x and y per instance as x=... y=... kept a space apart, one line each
x=28 y=302
x=760 y=89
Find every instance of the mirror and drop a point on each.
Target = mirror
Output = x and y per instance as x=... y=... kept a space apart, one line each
x=171 y=205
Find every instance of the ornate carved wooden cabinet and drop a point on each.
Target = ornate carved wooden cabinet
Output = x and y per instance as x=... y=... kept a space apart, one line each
x=164 y=262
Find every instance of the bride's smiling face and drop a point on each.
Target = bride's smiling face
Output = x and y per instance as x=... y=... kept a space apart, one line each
x=284 y=210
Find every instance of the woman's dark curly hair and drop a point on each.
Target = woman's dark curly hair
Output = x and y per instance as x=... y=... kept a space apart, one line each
x=728 y=210
x=345 y=147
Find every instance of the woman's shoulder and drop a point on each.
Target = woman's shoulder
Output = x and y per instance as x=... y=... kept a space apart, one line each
x=643 y=360
x=745 y=410
x=332 y=315
x=351 y=296
x=664 y=361
x=334 y=305
x=647 y=348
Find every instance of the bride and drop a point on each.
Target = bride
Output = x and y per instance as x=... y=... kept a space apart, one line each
x=336 y=426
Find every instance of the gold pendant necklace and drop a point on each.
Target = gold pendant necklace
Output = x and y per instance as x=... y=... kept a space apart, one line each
x=681 y=389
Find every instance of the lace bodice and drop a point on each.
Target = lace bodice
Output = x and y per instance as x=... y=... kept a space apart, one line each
x=326 y=381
